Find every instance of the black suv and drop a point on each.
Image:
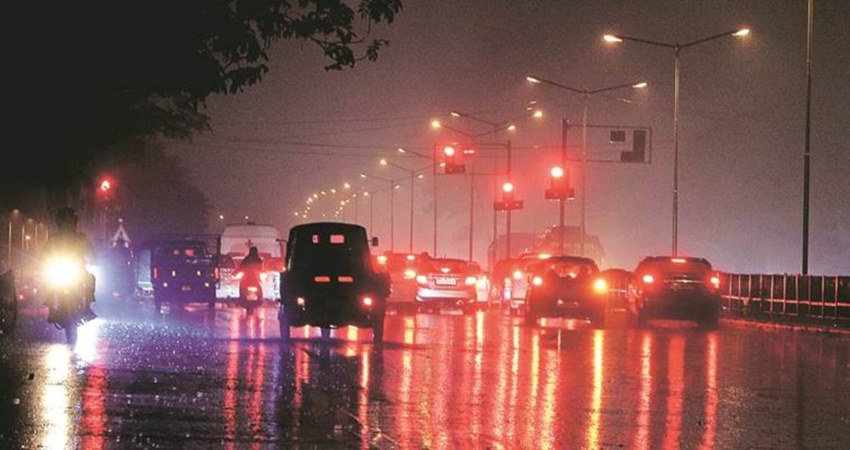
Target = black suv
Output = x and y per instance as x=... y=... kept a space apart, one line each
x=329 y=280
x=675 y=288
x=566 y=286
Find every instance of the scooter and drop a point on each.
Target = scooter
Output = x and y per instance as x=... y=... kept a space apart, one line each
x=68 y=287
x=250 y=290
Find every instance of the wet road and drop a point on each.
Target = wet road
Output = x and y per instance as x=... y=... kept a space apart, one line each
x=189 y=379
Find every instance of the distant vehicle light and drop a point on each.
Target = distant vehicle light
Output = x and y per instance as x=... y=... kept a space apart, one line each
x=367 y=301
x=422 y=279
x=382 y=260
x=648 y=279
x=411 y=257
x=517 y=274
x=300 y=301
x=537 y=280
x=600 y=286
x=679 y=260
x=481 y=283
x=345 y=279
x=544 y=256
x=572 y=275
x=252 y=289
x=322 y=279
x=409 y=274
x=470 y=281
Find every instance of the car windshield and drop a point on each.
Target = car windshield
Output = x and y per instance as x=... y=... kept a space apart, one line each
x=444 y=266
x=565 y=268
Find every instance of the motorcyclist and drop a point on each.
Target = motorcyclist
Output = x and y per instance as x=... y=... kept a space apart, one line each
x=252 y=265
x=70 y=243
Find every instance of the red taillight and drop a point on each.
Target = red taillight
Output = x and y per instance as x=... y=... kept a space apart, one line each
x=345 y=279
x=252 y=289
x=322 y=279
x=648 y=279
x=155 y=273
x=537 y=280
x=715 y=281
x=409 y=274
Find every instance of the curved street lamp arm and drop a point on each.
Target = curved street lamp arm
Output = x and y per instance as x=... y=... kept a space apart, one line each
x=710 y=38
x=613 y=88
x=648 y=41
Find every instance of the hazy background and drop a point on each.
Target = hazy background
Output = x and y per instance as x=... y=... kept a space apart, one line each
x=741 y=130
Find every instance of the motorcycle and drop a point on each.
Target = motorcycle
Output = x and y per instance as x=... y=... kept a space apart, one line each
x=250 y=289
x=67 y=288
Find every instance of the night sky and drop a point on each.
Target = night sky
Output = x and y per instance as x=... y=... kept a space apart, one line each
x=741 y=131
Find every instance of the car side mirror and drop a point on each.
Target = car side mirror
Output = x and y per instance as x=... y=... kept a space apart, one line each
x=375 y=241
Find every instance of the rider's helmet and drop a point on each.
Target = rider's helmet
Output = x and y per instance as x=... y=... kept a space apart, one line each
x=66 y=218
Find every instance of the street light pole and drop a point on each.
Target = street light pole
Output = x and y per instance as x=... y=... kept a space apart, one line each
x=677 y=48
x=807 y=153
x=562 y=203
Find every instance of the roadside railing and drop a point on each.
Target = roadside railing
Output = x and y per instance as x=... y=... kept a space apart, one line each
x=788 y=297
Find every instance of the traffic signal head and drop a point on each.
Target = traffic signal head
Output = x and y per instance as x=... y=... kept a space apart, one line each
x=449 y=151
x=556 y=172
x=105 y=185
x=450 y=159
x=507 y=187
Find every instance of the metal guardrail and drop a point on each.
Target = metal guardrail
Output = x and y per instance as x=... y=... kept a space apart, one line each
x=792 y=297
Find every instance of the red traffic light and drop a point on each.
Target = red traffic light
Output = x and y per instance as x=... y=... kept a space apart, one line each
x=105 y=185
x=507 y=187
x=449 y=150
x=556 y=172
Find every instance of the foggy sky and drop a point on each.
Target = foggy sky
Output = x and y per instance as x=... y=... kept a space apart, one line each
x=741 y=130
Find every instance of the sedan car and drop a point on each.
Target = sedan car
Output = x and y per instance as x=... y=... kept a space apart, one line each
x=446 y=283
x=667 y=287
x=566 y=286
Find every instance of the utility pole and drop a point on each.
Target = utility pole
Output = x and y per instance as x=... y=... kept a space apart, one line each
x=562 y=207
x=508 y=221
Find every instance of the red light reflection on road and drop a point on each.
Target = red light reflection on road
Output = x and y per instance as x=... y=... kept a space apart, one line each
x=675 y=391
x=711 y=393
x=94 y=403
x=596 y=393
x=644 y=419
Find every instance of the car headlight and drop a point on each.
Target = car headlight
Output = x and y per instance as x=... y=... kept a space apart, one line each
x=62 y=272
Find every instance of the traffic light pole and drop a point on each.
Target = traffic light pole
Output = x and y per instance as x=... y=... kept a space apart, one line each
x=508 y=219
x=471 y=211
x=562 y=206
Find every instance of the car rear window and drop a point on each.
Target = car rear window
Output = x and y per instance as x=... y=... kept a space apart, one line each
x=444 y=266
x=689 y=266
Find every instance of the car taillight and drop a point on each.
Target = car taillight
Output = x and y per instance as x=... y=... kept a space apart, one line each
x=322 y=279
x=470 y=281
x=648 y=279
x=409 y=274
x=600 y=286
x=155 y=273
x=517 y=274
x=346 y=279
x=715 y=281
x=367 y=301
x=252 y=289
x=422 y=279
x=537 y=280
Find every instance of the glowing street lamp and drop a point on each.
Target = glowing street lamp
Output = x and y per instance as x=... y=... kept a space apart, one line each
x=677 y=48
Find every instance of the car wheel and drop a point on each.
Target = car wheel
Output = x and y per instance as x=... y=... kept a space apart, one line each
x=531 y=318
x=711 y=322
x=283 y=318
x=378 y=329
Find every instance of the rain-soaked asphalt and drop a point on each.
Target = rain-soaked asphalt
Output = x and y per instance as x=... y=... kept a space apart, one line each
x=192 y=380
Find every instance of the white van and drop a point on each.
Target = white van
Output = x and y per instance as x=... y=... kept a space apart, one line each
x=235 y=242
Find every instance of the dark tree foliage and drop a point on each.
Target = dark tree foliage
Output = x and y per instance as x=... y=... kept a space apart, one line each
x=79 y=78
x=154 y=193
